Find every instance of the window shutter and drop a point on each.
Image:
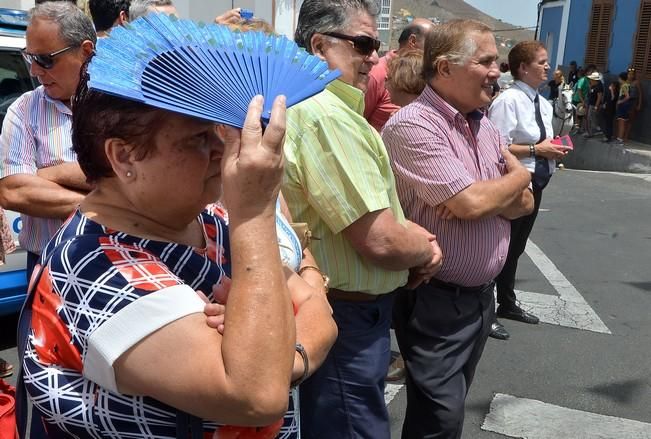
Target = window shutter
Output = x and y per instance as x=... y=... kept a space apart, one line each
x=641 y=50
x=601 y=18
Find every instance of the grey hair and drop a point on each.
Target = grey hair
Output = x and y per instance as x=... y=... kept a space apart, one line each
x=318 y=16
x=454 y=41
x=75 y=27
x=140 y=8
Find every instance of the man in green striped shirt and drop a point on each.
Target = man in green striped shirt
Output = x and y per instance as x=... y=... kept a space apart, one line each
x=339 y=181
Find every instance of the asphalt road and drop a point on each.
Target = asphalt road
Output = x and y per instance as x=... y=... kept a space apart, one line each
x=596 y=229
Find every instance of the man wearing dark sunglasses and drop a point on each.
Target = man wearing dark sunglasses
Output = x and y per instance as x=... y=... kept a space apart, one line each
x=39 y=175
x=339 y=181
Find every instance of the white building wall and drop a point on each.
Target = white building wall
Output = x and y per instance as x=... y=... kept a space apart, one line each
x=280 y=13
x=25 y=5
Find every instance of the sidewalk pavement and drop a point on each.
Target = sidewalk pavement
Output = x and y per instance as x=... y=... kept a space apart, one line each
x=594 y=155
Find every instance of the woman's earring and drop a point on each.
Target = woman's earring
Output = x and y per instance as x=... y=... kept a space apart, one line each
x=129 y=174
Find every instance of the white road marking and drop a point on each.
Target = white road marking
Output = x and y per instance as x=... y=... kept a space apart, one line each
x=569 y=308
x=390 y=392
x=645 y=177
x=532 y=419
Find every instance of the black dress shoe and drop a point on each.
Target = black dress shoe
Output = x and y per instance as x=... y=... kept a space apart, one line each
x=518 y=314
x=498 y=331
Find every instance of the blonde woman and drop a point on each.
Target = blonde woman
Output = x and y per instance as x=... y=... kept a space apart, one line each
x=557 y=83
x=404 y=76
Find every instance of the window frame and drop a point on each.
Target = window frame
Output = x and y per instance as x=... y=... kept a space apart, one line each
x=599 y=37
x=642 y=41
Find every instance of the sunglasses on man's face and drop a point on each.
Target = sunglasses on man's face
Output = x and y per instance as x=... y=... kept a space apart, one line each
x=363 y=44
x=46 y=61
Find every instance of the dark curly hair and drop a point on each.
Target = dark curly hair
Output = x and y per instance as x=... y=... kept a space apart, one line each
x=98 y=116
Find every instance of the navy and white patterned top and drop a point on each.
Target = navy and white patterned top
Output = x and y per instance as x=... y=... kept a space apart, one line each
x=88 y=310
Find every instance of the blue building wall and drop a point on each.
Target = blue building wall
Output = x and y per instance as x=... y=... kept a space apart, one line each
x=551 y=24
x=620 y=51
x=577 y=32
x=623 y=35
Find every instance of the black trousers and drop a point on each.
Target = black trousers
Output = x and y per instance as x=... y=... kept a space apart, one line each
x=520 y=231
x=441 y=337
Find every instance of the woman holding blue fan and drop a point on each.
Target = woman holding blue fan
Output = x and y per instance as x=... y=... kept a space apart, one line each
x=120 y=342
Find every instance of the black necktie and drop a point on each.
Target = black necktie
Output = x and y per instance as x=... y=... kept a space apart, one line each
x=543 y=173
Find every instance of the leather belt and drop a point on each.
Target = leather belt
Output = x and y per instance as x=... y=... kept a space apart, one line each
x=458 y=289
x=351 y=296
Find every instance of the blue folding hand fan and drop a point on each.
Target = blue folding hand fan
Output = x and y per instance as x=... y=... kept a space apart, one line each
x=205 y=71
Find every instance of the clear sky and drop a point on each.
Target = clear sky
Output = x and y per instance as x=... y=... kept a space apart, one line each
x=519 y=12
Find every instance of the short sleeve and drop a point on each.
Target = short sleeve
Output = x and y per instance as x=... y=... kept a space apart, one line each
x=114 y=295
x=341 y=173
x=504 y=116
x=422 y=157
x=17 y=145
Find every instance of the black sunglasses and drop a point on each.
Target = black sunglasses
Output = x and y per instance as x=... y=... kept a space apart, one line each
x=45 y=61
x=363 y=44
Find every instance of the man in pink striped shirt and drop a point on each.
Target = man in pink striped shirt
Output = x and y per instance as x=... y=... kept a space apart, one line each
x=454 y=180
x=39 y=174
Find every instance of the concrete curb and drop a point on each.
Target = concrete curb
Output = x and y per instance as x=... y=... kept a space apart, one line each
x=595 y=155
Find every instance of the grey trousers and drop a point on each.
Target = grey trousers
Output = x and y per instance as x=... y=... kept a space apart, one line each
x=441 y=335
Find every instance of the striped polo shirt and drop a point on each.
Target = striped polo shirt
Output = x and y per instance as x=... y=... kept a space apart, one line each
x=36 y=133
x=337 y=170
x=435 y=153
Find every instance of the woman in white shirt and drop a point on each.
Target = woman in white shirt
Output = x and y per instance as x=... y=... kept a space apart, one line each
x=525 y=122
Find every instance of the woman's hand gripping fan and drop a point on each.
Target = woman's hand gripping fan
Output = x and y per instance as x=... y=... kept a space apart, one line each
x=251 y=168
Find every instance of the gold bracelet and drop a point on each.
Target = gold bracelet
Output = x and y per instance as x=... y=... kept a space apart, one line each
x=326 y=279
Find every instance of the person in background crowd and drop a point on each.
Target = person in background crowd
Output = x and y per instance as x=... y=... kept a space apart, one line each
x=108 y=13
x=611 y=96
x=139 y=8
x=557 y=83
x=524 y=119
x=453 y=180
x=338 y=180
x=251 y=24
x=623 y=110
x=232 y=16
x=404 y=76
x=7 y=246
x=572 y=74
x=378 y=106
x=506 y=79
x=580 y=97
x=636 y=94
x=39 y=174
x=595 y=102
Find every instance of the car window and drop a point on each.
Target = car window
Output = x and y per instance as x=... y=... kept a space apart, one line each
x=14 y=78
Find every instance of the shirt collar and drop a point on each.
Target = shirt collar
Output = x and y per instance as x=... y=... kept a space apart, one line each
x=351 y=96
x=527 y=89
x=431 y=97
x=57 y=103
